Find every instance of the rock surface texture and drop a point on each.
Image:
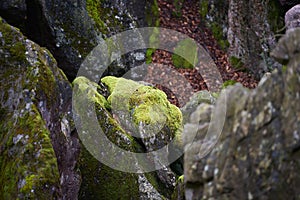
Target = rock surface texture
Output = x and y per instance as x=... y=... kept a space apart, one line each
x=257 y=154
x=292 y=17
x=38 y=147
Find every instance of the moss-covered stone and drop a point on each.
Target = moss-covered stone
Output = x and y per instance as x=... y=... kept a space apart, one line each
x=28 y=164
x=28 y=89
x=35 y=121
x=228 y=83
x=147 y=105
x=99 y=180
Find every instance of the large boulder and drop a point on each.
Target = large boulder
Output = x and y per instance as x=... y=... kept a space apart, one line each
x=38 y=146
x=257 y=154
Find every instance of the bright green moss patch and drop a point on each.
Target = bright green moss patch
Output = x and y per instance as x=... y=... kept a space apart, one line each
x=145 y=104
x=185 y=54
x=89 y=89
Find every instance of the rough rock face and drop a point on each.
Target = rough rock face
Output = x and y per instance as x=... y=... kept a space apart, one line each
x=250 y=35
x=38 y=147
x=257 y=154
x=292 y=17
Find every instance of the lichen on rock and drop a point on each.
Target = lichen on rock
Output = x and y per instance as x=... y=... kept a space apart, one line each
x=35 y=121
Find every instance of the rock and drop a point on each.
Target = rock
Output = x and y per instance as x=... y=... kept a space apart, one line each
x=257 y=154
x=38 y=147
x=71 y=29
x=202 y=96
x=292 y=17
x=245 y=30
x=123 y=115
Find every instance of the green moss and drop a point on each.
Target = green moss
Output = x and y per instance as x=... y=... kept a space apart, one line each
x=203 y=8
x=18 y=51
x=96 y=12
x=147 y=105
x=152 y=14
x=29 y=166
x=188 y=49
x=90 y=90
x=228 y=83
x=99 y=181
x=12 y=44
x=218 y=35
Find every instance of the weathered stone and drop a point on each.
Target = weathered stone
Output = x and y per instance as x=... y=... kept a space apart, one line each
x=38 y=148
x=292 y=17
x=257 y=154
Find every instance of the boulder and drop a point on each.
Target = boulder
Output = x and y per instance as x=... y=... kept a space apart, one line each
x=257 y=153
x=38 y=147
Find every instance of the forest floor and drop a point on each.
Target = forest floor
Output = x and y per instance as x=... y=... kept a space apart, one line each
x=190 y=23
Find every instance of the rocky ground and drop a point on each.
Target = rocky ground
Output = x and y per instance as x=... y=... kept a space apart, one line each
x=190 y=23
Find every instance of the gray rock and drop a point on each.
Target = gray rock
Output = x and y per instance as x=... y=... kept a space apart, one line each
x=39 y=149
x=257 y=154
x=292 y=17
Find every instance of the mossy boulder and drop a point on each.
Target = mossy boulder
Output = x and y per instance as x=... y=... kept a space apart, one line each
x=37 y=148
x=127 y=112
x=98 y=180
x=147 y=107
